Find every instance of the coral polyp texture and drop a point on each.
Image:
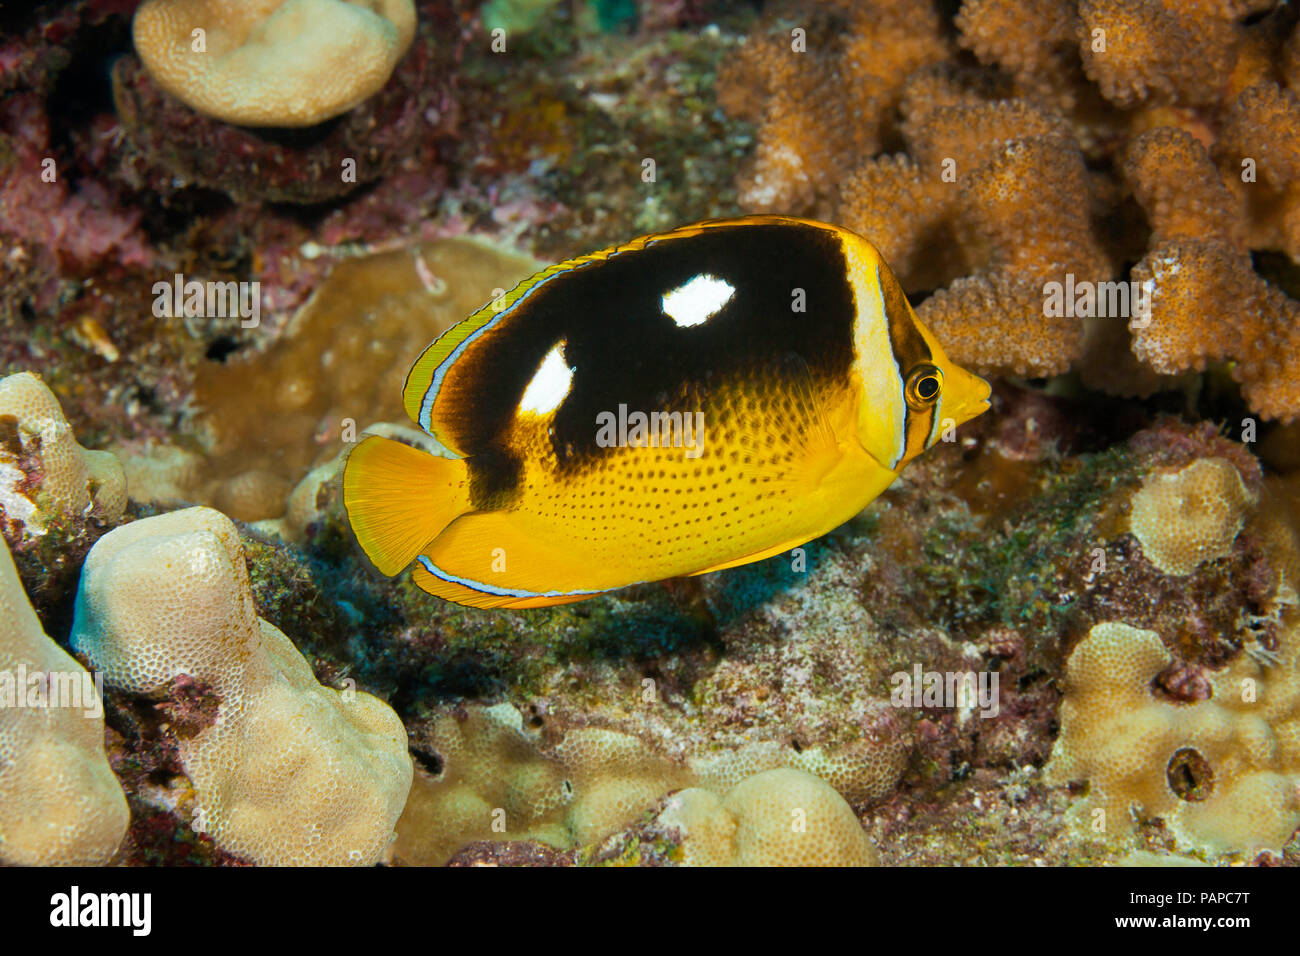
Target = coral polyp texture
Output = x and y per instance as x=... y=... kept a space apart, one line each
x=289 y=771
x=575 y=786
x=59 y=801
x=1191 y=516
x=1207 y=302
x=333 y=370
x=825 y=95
x=782 y=817
x=1209 y=747
x=496 y=782
x=1221 y=772
x=272 y=62
x=1067 y=635
x=1020 y=176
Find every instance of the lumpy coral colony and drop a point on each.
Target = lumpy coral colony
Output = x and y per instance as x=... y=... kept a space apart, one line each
x=1140 y=142
x=1096 y=204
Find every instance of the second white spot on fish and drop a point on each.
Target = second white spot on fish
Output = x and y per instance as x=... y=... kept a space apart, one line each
x=697 y=300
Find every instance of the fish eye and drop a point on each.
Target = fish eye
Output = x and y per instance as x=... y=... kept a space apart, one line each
x=923 y=385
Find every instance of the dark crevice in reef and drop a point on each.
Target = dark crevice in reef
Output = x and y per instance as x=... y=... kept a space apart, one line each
x=430 y=762
x=83 y=89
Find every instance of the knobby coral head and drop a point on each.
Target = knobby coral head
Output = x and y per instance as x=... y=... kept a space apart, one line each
x=273 y=62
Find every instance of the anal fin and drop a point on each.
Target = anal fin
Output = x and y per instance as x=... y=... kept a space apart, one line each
x=467 y=596
x=502 y=559
x=751 y=558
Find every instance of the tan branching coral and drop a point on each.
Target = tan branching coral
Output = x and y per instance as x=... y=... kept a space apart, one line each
x=1259 y=143
x=1032 y=40
x=1018 y=182
x=824 y=105
x=1011 y=185
x=1030 y=207
x=273 y=62
x=1178 y=187
x=1164 y=50
x=1207 y=301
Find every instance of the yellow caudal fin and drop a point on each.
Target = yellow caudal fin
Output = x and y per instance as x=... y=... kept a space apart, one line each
x=399 y=499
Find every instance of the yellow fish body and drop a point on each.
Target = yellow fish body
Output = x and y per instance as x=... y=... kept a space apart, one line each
x=685 y=402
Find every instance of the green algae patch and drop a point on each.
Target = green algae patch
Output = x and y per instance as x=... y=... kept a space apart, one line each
x=1022 y=570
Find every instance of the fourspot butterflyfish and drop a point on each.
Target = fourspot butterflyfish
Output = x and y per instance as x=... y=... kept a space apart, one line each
x=682 y=403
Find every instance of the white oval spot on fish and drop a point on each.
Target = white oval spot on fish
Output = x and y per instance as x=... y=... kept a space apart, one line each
x=697 y=300
x=549 y=385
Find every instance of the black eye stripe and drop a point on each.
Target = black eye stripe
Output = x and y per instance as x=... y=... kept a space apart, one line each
x=908 y=345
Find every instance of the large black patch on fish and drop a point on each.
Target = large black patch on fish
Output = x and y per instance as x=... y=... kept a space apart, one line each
x=625 y=350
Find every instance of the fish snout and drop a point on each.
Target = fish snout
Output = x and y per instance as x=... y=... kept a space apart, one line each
x=971 y=394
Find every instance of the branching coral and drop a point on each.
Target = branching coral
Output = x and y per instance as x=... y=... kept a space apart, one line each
x=1015 y=184
x=1017 y=181
x=1207 y=301
x=1032 y=41
x=1259 y=137
x=272 y=62
x=1136 y=50
x=824 y=96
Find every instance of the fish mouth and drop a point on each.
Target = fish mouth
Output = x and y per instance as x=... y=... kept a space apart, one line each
x=972 y=410
x=982 y=404
x=977 y=404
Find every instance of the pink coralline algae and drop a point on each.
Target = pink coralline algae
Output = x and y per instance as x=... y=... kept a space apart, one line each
x=82 y=225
